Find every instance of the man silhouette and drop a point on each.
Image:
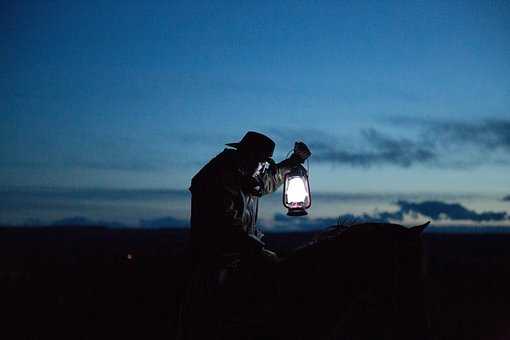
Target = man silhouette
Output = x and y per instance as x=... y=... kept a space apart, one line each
x=230 y=260
x=225 y=193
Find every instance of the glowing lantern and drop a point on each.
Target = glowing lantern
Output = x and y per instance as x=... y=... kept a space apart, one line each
x=296 y=192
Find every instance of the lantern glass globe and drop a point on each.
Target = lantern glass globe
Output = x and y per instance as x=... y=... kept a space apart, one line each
x=296 y=192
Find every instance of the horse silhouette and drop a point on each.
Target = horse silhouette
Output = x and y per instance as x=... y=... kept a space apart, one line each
x=359 y=282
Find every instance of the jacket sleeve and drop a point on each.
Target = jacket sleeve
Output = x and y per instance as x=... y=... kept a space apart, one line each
x=273 y=178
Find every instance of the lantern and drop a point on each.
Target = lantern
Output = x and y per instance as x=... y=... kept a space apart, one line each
x=296 y=192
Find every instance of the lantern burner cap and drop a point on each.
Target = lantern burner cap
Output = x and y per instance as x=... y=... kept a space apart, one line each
x=297 y=212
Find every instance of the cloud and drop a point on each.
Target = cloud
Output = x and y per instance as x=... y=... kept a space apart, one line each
x=434 y=210
x=372 y=148
x=430 y=142
x=438 y=210
x=506 y=198
x=380 y=149
x=434 y=143
x=464 y=143
x=488 y=134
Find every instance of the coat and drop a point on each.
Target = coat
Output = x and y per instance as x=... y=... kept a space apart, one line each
x=224 y=205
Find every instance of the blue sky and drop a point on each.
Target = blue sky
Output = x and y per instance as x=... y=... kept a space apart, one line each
x=394 y=97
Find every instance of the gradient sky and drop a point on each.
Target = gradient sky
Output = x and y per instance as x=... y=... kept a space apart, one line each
x=395 y=98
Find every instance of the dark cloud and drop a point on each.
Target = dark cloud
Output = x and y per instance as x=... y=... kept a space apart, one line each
x=506 y=198
x=380 y=149
x=464 y=143
x=374 y=148
x=489 y=134
x=437 y=143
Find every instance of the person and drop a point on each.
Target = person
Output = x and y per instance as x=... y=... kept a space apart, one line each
x=225 y=194
x=228 y=253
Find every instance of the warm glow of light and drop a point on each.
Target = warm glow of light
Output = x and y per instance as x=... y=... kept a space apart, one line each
x=296 y=191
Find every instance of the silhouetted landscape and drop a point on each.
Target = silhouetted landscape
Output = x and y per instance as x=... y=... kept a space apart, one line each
x=94 y=282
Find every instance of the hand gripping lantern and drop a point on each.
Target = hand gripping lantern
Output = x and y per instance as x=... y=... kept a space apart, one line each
x=296 y=192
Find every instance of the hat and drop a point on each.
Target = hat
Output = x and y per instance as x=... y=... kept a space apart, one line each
x=255 y=142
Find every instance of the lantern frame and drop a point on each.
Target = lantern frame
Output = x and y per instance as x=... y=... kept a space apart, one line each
x=301 y=172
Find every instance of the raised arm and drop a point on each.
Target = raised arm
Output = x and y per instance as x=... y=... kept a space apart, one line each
x=273 y=178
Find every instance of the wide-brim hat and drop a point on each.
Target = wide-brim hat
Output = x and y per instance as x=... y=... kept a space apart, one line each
x=255 y=142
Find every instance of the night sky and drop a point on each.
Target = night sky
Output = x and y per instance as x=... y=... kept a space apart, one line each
x=108 y=108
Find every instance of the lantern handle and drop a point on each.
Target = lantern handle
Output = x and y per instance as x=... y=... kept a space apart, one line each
x=307 y=161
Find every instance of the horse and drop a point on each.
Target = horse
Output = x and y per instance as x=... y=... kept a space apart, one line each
x=365 y=281
x=358 y=282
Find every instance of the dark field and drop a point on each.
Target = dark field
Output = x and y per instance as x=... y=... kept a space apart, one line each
x=92 y=282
